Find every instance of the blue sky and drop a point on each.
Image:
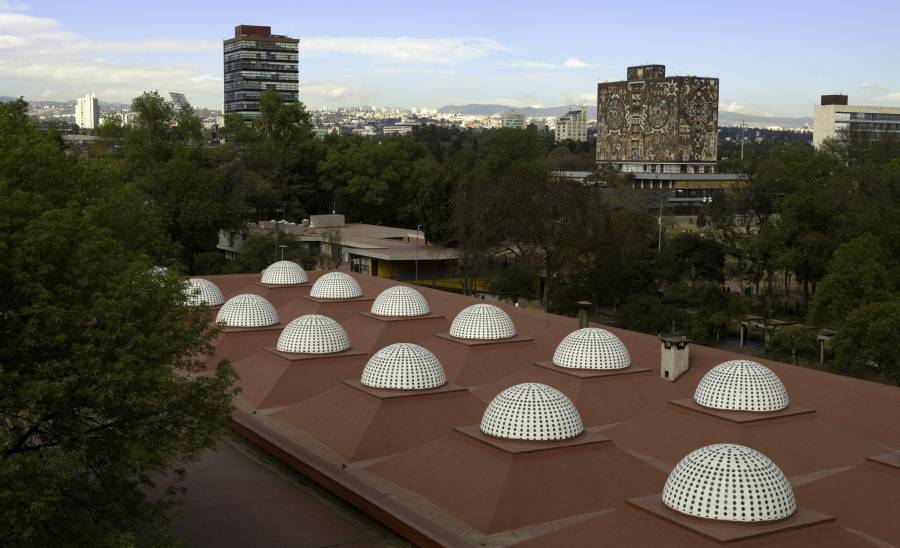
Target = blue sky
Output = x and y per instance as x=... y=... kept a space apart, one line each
x=772 y=58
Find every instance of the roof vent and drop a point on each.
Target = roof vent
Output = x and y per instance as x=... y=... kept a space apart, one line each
x=482 y=322
x=200 y=292
x=400 y=300
x=741 y=385
x=532 y=411
x=404 y=366
x=336 y=285
x=284 y=273
x=247 y=310
x=591 y=348
x=313 y=334
x=729 y=482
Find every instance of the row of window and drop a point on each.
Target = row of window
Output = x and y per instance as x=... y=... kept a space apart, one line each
x=866 y=116
x=262 y=56
x=261 y=44
x=865 y=126
x=233 y=66
x=256 y=85
x=260 y=75
x=666 y=168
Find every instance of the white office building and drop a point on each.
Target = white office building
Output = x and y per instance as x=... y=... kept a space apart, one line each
x=835 y=119
x=512 y=119
x=87 y=112
x=572 y=125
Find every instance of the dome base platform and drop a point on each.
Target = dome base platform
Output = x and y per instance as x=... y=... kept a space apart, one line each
x=516 y=447
x=390 y=393
x=592 y=373
x=890 y=459
x=742 y=417
x=725 y=531
x=483 y=342
x=270 y=378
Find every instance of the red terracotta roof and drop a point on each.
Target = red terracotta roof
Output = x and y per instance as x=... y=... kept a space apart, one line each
x=417 y=463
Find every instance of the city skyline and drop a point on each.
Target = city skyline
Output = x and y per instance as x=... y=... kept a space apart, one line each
x=451 y=53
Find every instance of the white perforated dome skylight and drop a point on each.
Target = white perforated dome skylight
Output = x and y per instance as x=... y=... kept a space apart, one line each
x=729 y=482
x=404 y=366
x=336 y=285
x=591 y=348
x=247 y=310
x=284 y=273
x=741 y=385
x=313 y=334
x=202 y=292
x=400 y=300
x=482 y=322
x=531 y=411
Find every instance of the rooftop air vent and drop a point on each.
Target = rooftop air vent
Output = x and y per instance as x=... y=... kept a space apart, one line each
x=591 y=348
x=404 y=366
x=202 y=292
x=284 y=273
x=336 y=285
x=741 y=385
x=729 y=482
x=482 y=322
x=247 y=310
x=313 y=334
x=400 y=300
x=531 y=411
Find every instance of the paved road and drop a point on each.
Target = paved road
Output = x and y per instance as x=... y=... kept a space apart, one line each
x=237 y=498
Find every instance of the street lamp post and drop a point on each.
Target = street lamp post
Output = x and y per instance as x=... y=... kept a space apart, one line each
x=418 y=227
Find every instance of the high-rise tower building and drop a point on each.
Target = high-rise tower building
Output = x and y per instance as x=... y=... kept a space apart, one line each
x=572 y=125
x=87 y=112
x=657 y=124
x=255 y=61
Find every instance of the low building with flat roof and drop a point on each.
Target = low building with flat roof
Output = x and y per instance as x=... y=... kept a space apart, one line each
x=383 y=251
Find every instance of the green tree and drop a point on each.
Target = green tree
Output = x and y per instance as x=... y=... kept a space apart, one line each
x=648 y=314
x=97 y=395
x=857 y=275
x=869 y=339
x=792 y=343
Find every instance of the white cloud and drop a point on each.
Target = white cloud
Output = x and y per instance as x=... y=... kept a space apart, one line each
x=581 y=98
x=888 y=97
x=428 y=51
x=874 y=88
x=64 y=64
x=6 y=5
x=738 y=108
x=570 y=63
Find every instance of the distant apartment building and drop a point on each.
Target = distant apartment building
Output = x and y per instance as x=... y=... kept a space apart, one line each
x=179 y=101
x=512 y=119
x=572 y=125
x=255 y=61
x=652 y=123
x=87 y=112
x=835 y=119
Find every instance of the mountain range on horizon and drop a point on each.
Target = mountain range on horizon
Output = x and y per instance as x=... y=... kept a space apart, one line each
x=725 y=118
x=728 y=119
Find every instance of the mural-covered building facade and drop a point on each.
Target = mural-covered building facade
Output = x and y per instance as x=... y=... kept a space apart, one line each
x=657 y=124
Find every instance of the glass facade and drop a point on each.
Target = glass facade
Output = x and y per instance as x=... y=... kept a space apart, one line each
x=871 y=122
x=254 y=64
